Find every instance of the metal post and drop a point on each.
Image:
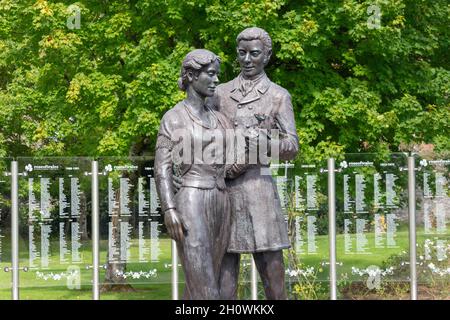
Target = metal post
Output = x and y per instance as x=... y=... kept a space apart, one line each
x=174 y=271
x=332 y=227
x=254 y=280
x=15 y=229
x=95 y=233
x=412 y=227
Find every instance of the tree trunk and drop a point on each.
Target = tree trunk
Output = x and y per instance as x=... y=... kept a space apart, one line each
x=114 y=280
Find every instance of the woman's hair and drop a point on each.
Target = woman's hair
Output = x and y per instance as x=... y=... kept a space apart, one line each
x=195 y=61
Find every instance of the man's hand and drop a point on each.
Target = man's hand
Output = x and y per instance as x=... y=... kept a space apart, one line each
x=175 y=225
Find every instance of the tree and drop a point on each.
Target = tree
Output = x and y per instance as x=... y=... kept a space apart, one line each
x=97 y=89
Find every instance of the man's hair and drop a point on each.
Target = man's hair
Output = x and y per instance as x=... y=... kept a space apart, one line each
x=256 y=33
x=195 y=61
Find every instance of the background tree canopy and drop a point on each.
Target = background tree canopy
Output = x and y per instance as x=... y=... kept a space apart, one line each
x=102 y=89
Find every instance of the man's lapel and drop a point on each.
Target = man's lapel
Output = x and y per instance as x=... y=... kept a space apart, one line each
x=260 y=88
x=263 y=85
x=236 y=94
x=250 y=97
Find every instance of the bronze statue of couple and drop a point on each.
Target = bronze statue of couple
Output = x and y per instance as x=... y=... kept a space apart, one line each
x=215 y=210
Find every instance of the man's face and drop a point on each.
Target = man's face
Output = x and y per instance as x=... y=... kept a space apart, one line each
x=252 y=57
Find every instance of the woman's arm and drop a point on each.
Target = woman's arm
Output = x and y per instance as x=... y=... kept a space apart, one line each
x=164 y=181
x=163 y=172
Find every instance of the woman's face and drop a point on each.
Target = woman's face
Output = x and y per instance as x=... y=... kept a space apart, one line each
x=206 y=81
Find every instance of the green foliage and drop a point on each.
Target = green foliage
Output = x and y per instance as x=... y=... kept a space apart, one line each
x=100 y=89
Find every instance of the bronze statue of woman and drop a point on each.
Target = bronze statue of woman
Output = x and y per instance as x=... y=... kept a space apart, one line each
x=197 y=216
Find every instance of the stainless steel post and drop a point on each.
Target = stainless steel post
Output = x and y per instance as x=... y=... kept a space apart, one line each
x=412 y=226
x=254 y=280
x=15 y=229
x=174 y=271
x=95 y=233
x=332 y=226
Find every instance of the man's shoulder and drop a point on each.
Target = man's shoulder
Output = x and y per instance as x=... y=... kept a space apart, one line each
x=274 y=88
x=278 y=90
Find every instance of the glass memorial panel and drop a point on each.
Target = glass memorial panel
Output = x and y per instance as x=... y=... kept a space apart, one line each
x=5 y=229
x=433 y=227
x=372 y=227
x=302 y=191
x=302 y=195
x=307 y=261
x=55 y=248
x=135 y=249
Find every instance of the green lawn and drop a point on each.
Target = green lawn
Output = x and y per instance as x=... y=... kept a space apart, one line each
x=32 y=287
x=160 y=287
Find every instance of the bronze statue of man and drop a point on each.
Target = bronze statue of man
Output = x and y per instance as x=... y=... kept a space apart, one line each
x=252 y=102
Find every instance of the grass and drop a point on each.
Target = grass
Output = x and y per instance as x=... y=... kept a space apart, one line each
x=160 y=287
x=31 y=287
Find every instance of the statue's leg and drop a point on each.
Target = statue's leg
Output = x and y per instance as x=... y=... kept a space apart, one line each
x=229 y=275
x=198 y=267
x=186 y=293
x=270 y=266
x=196 y=249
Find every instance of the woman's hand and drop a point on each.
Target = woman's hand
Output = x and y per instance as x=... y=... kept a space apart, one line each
x=175 y=225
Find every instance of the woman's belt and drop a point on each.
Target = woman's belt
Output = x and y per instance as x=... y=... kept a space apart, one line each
x=208 y=182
